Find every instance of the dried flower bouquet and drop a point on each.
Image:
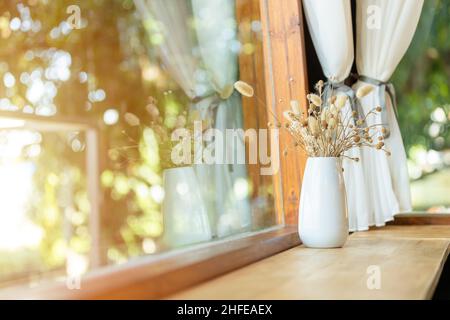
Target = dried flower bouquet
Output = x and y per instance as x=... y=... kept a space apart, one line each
x=325 y=130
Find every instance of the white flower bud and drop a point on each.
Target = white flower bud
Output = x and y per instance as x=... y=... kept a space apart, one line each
x=295 y=107
x=315 y=99
x=341 y=100
x=244 y=88
x=132 y=119
x=364 y=91
x=313 y=126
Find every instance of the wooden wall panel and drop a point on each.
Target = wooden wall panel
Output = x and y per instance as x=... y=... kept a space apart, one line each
x=286 y=79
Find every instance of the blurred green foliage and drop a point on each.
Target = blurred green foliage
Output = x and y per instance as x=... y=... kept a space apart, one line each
x=422 y=79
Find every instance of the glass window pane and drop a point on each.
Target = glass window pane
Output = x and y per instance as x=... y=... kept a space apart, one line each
x=181 y=157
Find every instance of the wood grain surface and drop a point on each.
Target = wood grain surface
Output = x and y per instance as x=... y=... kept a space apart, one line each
x=409 y=259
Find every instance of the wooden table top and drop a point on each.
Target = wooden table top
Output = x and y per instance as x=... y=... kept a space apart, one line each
x=394 y=262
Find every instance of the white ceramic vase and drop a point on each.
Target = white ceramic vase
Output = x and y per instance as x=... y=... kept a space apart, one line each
x=323 y=221
x=184 y=211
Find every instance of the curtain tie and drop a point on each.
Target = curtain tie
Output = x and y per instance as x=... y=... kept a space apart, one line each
x=226 y=92
x=343 y=88
x=384 y=87
x=198 y=99
x=216 y=97
x=223 y=94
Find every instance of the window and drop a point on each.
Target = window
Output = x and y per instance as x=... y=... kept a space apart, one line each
x=424 y=101
x=46 y=204
x=98 y=188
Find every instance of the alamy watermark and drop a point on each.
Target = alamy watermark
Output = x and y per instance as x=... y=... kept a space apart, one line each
x=374 y=277
x=74 y=19
x=73 y=282
x=214 y=146
x=373 y=21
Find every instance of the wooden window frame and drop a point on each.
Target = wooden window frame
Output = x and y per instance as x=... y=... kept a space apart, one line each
x=152 y=277
x=158 y=276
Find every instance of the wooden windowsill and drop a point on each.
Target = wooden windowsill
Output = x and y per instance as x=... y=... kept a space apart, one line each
x=157 y=276
x=421 y=218
x=410 y=260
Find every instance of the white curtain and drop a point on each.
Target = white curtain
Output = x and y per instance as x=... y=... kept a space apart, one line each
x=385 y=29
x=206 y=69
x=330 y=26
x=169 y=19
x=216 y=30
